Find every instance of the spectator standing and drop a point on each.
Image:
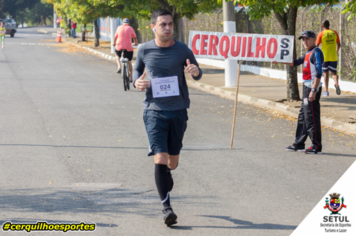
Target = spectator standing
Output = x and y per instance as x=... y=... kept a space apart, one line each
x=74 y=27
x=309 y=114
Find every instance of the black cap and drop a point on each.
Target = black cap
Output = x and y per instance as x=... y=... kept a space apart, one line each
x=307 y=34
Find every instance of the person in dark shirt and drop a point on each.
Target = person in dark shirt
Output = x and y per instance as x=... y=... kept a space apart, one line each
x=309 y=114
x=166 y=101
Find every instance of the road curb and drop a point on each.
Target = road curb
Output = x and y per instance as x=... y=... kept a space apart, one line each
x=271 y=105
x=42 y=31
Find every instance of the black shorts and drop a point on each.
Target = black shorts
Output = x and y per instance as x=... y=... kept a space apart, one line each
x=330 y=66
x=127 y=54
x=165 y=130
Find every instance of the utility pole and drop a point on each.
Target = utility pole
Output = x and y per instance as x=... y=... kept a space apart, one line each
x=54 y=19
x=230 y=26
x=112 y=34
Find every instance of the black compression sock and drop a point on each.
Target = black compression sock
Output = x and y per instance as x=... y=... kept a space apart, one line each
x=163 y=184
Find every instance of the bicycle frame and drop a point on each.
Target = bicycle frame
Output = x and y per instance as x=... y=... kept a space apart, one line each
x=125 y=73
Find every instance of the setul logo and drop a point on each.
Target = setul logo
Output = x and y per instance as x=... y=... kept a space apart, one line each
x=335 y=205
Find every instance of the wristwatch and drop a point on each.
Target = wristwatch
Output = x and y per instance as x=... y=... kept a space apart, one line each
x=313 y=89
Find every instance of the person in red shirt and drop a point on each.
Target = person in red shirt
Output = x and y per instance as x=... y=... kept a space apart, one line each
x=74 y=27
x=123 y=44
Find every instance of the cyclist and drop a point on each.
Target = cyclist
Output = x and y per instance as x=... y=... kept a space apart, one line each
x=2 y=34
x=330 y=45
x=122 y=43
x=166 y=102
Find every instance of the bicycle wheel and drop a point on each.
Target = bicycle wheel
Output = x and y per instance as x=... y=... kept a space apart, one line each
x=128 y=80
x=123 y=76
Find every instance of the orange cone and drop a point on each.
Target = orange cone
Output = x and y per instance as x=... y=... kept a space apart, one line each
x=59 y=36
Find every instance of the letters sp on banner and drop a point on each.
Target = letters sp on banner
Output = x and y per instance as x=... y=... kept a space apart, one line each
x=247 y=47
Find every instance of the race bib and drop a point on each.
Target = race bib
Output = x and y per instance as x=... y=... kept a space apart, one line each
x=2 y=32
x=165 y=87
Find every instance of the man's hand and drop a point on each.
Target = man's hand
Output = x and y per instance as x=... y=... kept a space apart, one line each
x=134 y=44
x=192 y=69
x=142 y=84
x=312 y=96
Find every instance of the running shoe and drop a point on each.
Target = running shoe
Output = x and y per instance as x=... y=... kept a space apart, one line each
x=170 y=179
x=293 y=148
x=338 y=90
x=312 y=150
x=326 y=94
x=169 y=217
x=118 y=71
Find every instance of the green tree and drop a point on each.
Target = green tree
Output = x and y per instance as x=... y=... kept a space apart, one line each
x=85 y=11
x=350 y=7
x=14 y=8
x=286 y=13
x=178 y=8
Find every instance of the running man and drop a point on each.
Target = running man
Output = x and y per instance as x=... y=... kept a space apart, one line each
x=2 y=34
x=309 y=114
x=330 y=45
x=123 y=44
x=166 y=102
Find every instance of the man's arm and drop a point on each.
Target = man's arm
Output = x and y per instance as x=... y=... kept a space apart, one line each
x=138 y=76
x=135 y=41
x=192 y=66
x=115 y=41
x=318 y=64
x=295 y=62
x=338 y=44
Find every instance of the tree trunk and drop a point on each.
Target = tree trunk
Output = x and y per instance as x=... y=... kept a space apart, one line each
x=83 y=32
x=288 y=23
x=43 y=18
x=96 y=41
x=21 y=18
x=2 y=4
x=176 y=16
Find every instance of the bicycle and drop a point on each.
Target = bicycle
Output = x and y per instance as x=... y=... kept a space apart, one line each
x=125 y=73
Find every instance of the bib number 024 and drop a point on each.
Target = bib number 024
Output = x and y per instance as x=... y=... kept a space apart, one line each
x=165 y=87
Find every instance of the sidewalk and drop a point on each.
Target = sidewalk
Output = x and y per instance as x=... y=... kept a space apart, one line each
x=338 y=112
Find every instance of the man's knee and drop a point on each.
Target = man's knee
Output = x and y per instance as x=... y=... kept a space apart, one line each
x=161 y=158
x=173 y=166
x=173 y=162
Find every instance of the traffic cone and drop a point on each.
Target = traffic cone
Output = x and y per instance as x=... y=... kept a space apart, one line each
x=59 y=36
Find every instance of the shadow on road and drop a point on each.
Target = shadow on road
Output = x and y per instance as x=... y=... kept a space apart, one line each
x=240 y=224
x=188 y=147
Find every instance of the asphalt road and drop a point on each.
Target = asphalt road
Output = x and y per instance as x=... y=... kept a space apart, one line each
x=73 y=149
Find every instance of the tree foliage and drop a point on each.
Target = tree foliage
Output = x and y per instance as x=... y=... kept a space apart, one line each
x=35 y=11
x=350 y=7
x=286 y=13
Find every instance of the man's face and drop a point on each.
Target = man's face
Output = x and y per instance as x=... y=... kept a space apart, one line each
x=164 y=27
x=309 y=43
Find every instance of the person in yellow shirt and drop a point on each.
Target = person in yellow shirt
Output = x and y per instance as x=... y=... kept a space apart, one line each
x=2 y=34
x=330 y=45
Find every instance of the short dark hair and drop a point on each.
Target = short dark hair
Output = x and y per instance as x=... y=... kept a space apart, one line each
x=157 y=13
x=326 y=24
